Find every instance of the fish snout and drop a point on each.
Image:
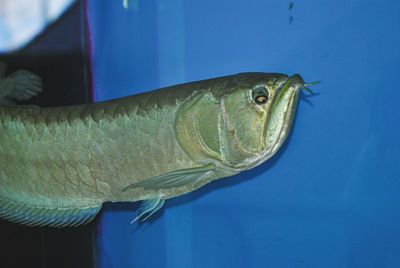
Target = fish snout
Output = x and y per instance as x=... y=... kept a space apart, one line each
x=296 y=81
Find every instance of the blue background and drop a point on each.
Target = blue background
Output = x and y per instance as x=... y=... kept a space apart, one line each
x=330 y=198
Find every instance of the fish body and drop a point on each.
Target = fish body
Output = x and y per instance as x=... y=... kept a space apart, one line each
x=58 y=165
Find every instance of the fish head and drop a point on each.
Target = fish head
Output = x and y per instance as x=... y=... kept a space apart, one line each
x=243 y=121
x=256 y=115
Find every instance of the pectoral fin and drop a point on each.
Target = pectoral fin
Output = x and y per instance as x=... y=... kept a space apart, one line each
x=172 y=179
x=169 y=180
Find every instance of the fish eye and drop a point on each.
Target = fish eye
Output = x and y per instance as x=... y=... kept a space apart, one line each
x=260 y=94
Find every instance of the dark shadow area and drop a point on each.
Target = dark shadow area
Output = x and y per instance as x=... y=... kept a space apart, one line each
x=59 y=56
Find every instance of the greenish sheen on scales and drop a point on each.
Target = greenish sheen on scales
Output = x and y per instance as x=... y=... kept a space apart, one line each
x=58 y=165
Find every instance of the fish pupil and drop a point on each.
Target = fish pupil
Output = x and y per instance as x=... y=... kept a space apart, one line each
x=261 y=99
x=260 y=94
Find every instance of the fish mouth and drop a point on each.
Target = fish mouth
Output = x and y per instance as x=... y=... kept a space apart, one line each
x=294 y=82
x=297 y=80
x=286 y=93
x=279 y=119
x=282 y=113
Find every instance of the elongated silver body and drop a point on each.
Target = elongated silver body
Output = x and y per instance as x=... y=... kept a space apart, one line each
x=67 y=161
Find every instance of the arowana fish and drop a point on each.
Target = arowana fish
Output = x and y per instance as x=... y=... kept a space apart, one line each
x=58 y=165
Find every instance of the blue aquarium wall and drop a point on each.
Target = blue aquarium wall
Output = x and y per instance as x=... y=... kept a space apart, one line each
x=330 y=198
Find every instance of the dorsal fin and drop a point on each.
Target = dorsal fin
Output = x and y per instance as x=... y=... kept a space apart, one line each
x=42 y=216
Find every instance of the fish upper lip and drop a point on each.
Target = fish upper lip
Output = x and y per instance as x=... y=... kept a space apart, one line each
x=292 y=85
x=296 y=81
x=297 y=78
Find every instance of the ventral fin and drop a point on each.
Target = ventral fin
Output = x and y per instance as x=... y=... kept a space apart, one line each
x=147 y=208
x=172 y=179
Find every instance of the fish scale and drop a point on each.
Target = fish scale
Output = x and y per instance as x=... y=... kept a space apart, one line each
x=58 y=165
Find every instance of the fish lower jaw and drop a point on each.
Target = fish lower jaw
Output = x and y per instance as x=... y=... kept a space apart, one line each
x=260 y=158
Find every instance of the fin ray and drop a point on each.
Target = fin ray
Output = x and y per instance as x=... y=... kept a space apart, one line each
x=42 y=216
x=147 y=208
x=173 y=179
